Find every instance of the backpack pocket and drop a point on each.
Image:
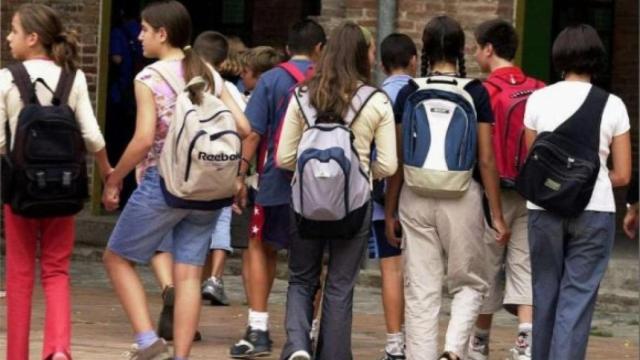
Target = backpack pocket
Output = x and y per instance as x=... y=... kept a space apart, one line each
x=51 y=141
x=54 y=182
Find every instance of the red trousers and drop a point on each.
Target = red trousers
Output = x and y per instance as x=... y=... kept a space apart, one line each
x=56 y=237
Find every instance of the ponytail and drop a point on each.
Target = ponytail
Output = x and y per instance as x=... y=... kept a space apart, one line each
x=424 y=63
x=60 y=44
x=462 y=69
x=194 y=66
x=64 y=50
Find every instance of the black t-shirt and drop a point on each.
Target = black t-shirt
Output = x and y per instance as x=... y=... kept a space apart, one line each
x=475 y=88
x=481 y=102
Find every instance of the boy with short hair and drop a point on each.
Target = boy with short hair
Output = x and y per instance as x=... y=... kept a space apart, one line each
x=257 y=61
x=399 y=60
x=270 y=226
x=497 y=43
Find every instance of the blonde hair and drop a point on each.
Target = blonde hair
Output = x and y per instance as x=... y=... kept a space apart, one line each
x=261 y=59
x=232 y=65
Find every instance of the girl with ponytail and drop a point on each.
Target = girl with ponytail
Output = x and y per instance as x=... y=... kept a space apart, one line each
x=438 y=231
x=146 y=219
x=39 y=39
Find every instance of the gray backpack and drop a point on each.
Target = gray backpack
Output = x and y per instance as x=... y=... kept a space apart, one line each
x=330 y=190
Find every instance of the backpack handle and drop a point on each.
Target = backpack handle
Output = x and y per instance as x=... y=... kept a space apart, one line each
x=442 y=81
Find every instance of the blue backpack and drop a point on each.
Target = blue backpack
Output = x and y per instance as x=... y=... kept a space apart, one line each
x=439 y=137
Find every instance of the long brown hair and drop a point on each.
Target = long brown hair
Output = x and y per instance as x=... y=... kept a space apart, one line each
x=60 y=44
x=175 y=19
x=343 y=64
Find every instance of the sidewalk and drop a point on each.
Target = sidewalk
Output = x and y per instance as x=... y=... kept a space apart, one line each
x=101 y=332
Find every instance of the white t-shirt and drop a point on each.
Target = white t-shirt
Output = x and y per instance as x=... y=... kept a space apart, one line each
x=549 y=107
x=236 y=95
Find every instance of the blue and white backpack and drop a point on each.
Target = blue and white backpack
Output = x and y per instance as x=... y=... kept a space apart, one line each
x=330 y=189
x=439 y=137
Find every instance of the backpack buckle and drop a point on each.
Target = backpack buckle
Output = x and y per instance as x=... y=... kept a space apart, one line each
x=42 y=183
x=66 y=178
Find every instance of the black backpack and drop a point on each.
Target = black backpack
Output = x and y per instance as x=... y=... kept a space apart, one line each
x=562 y=166
x=44 y=173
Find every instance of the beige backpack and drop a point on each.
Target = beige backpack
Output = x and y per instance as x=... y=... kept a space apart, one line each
x=202 y=151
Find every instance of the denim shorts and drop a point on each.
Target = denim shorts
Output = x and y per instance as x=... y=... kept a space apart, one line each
x=379 y=247
x=147 y=220
x=220 y=238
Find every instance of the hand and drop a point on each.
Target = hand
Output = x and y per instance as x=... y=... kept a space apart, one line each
x=240 y=200
x=106 y=174
x=630 y=223
x=392 y=228
x=503 y=233
x=111 y=195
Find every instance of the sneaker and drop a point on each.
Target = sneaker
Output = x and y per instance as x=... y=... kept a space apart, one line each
x=300 y=355
x=214 y=292
x=165 y=323
x=522 y=350
x=478 y=349
x=388 y=356
x=448 y=356
x=157 y=351
x=256 y=343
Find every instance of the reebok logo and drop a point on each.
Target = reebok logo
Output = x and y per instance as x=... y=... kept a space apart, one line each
x=218 y=157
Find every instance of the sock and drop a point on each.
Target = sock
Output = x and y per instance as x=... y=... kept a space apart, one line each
x=314 y=328
x=215 y=280
x=526 y=328
x=146 y=339
x=258 y=320
x=395 y=344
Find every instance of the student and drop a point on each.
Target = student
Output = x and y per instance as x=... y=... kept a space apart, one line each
x=39 y=39
x=255 y=62
x=399 y=60
x=569 y=256
x=344 y=67
x=231 y=68
x=166 y=30
x=497 y=42
x=444 y=230
x=270 y=227
x=213 y=48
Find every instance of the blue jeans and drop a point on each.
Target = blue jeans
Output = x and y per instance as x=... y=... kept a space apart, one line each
x=569 y=257
x=147 y=219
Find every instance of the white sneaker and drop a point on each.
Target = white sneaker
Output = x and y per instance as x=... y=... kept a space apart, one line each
x=300 y=355
x=522 y=350
x=478 y=350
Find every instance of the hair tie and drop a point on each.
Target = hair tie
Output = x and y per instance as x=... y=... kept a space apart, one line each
x=186 y=48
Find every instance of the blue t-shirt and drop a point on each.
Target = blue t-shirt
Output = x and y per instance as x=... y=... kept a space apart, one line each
x=265 y=110
x=391 y=86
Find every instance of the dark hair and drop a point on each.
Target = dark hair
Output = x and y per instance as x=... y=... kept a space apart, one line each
x=304 y=35
x=175 y=19
x=261 y=59
x=443 y=40
x=396 y=51
x=212 y=46
x=344 y=63
x=59 y=43
x=578 y=49
x=501 y=35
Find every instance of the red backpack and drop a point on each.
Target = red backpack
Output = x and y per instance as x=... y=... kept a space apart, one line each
x=508 y=103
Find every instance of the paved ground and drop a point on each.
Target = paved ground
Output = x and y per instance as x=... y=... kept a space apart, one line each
x=101 y=331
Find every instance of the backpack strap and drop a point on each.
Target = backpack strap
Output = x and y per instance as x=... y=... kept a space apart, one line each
x=23 y=82
x=584 y=125
x=63 y=89
x=359 y=100
x=293 y=71
x=446 y=83
x=309 y=113
x=175 y=83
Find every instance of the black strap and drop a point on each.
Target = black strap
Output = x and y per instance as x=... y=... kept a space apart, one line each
x=65 y=84
x=584 y=125
x=23 y=82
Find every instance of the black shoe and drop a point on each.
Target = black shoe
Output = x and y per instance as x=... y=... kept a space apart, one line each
x=256 y=343
x=165 y=323
x=388 y=356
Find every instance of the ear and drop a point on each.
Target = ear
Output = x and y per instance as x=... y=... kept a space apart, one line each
x=488 y=49
x=32 y=39
x=162 y=35
x=317 y=50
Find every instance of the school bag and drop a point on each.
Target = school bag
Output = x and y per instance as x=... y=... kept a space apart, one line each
x=201 y=154
x=45 y=171
x=330 y=191
x=439 y=129
x=508 y=104
x=563 y=165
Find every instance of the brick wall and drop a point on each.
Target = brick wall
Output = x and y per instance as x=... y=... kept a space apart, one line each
x=412 y=15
